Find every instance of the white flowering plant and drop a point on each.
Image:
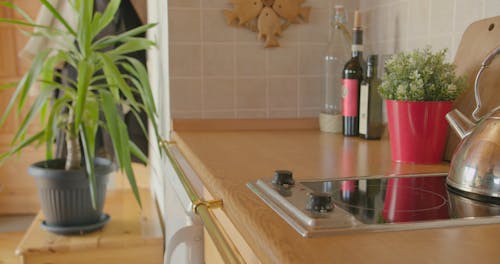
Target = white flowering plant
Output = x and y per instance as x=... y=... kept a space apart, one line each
x=421 y=75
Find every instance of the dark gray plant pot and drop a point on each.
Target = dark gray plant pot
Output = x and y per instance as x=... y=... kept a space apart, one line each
x=65 y=195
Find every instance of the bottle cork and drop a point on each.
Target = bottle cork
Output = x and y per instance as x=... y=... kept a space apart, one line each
x=357 y=19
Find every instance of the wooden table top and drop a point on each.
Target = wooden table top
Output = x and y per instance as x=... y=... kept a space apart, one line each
x=227 y=160
x=130 y=227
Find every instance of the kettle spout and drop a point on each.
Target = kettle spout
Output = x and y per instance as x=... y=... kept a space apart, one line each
x=460 y=123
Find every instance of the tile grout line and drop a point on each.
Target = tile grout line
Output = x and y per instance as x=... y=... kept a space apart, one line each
x=453 y=29
x=235 y=76
x=297 y=78
x=202 y=63
x=429 y=14
x=266 y=78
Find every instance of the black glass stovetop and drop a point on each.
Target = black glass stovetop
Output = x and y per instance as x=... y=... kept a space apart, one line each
x=378 y=203
x=407 y=199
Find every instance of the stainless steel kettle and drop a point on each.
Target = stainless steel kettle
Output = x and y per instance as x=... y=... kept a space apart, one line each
x=475 y=165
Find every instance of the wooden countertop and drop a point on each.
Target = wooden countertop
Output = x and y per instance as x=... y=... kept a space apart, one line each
x=227 y=160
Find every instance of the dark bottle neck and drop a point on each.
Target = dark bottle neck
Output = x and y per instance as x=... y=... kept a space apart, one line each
x=371 y=71
x=357 y=42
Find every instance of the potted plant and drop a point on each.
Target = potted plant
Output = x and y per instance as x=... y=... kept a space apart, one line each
x=72 y=189
x=419 y=88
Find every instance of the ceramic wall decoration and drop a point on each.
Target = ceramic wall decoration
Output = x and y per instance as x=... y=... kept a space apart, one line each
x=267 y=17
x=244 y=10
x=269 y=27
x=291 y=10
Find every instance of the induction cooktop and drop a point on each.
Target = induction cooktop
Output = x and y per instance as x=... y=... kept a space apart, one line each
x=372 y=204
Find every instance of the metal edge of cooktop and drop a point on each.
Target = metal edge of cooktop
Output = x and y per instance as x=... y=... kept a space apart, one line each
x=309 y=231
x=369 y=177
x=276 y=208
x=339 y=217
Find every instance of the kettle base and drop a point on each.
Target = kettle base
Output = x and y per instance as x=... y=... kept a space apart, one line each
x=474 y=196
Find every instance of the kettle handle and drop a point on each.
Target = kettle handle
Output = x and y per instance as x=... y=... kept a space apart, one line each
x=486 y=62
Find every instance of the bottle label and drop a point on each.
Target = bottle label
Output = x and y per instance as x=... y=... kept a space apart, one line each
x=363 y=109
x=357 y=47
x=350 y=97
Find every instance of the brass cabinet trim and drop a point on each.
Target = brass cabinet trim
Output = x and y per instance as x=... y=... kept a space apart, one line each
x=212 y=204
x=201 y=207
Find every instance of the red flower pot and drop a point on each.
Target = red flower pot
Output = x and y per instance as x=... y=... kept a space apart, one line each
x=417 y=130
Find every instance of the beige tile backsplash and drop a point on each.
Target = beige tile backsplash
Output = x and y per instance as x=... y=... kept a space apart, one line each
x=250 y=59
x=219 y=95
x=217 y=59
x=251 y=93
x=408 y=24
x=218 y=71
x=283 y=60
x=282 y=94
x=185 y=25
x=214 y=26
x=185 y=60
x=186 y=96
x=309 y=93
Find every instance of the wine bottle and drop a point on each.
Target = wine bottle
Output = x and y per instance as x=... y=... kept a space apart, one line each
x=352 y=76
x=338 y=52
x=370 y=103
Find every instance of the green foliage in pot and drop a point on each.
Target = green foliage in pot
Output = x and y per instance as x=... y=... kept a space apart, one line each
x=420 y=75
x=108 y=79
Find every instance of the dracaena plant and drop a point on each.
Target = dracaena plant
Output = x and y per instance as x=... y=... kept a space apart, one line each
x=421 y=75
x=107 y=79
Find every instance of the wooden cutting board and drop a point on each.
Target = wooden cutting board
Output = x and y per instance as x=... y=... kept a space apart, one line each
x=478 y=40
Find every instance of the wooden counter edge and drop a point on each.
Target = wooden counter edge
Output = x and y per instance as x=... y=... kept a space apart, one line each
x=140 y=254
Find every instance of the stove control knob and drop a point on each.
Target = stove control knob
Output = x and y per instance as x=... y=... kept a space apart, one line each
x=283 y=177
x=320 y=202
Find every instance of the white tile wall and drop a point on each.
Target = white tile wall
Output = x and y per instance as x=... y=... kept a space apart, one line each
x=218 y=71
x=403 y=25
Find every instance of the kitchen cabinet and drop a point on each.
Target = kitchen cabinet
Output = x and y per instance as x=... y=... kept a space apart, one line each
x=194 y=234
x=226 y=160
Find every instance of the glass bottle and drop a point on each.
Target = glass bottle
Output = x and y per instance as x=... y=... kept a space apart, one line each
x=352 y=76
x=336 y=55
x=370 y=103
